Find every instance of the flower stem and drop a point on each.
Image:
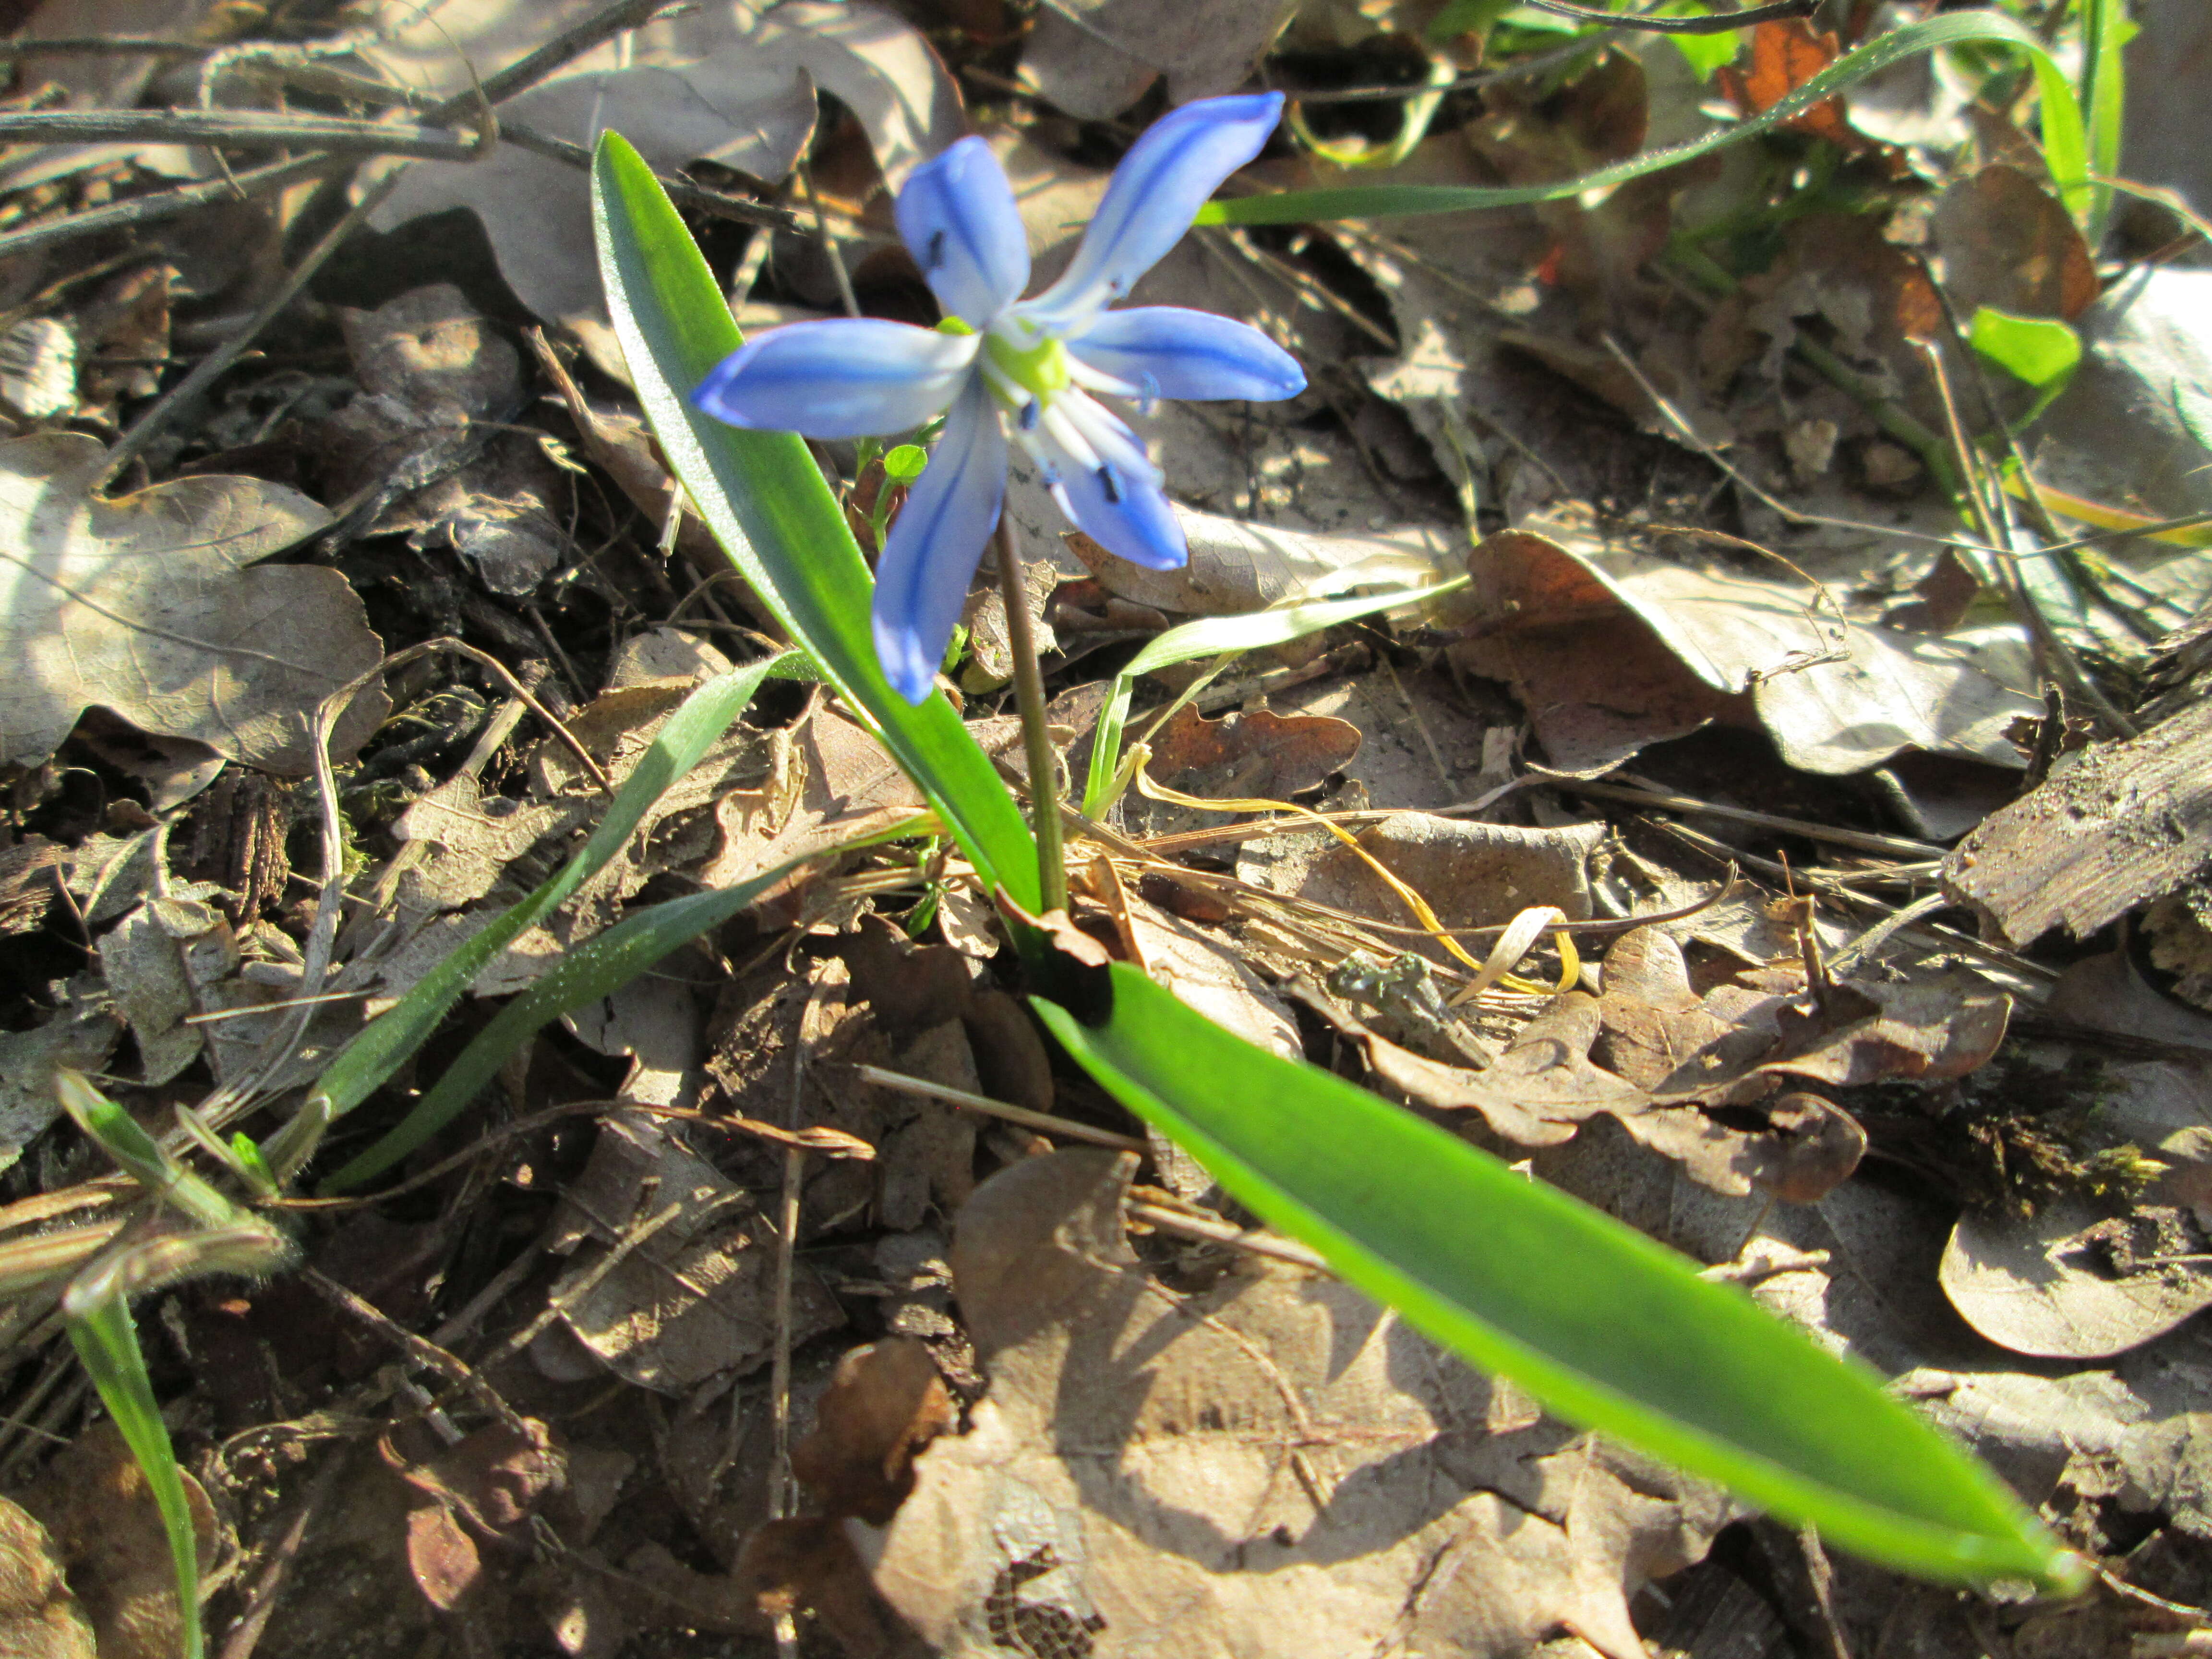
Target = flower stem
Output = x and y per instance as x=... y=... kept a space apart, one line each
x=1029 y=696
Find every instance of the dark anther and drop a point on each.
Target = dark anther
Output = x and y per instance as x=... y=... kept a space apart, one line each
x=1032 y=412
x=1109 y=484
x=936 y=249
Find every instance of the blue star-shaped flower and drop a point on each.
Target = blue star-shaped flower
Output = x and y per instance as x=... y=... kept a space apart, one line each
x=998 y=360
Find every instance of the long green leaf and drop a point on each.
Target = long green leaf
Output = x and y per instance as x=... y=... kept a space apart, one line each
x=2105 y=33
x=1606 y=1327
x=2064 y=147
x=766 y=503
x=600 y=966
x=359 y=1068
x=107 y=1344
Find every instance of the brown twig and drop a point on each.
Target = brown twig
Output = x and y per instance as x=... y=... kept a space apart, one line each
x=1718 y=23
x=235 y=129
x=1029 y=694
x=153 y=207
x=1043 y=1122
x=564 y=48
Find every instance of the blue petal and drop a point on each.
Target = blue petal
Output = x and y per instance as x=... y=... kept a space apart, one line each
x=857 y=377
x=1117 y=504
x=1168 y=352
x=957 y=215
x=1160 y=185
x=936 y=542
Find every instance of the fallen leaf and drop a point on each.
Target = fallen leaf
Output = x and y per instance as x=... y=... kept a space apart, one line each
x=431 y=371
x=1236 y=566
x=2007 y=242
x=40 y=1619
x=885 y=1403
x=1274 y=1466
x=150 y=604
x=1836 y=696
x=80 y=1035
x=695 y=1299
x=1257 y=753
x=714 y=83
x=1094 y=58
x=2068 y=1283
x=1785 y=54
x=1535 y=1093
x=1471 y=874
x=93 y=1502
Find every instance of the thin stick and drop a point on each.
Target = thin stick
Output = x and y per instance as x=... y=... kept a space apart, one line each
x=1719 y=23
x=168 y=204
x=187 y=392
x=1029 y=695
x=563 y=48
x=234 y=128
x=1043 y=1122
x=1215 y=1230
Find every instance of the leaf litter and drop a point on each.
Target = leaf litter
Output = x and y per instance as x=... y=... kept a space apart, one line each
x=744 y=1338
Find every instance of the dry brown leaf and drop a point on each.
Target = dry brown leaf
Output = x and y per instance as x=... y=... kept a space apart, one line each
x=1243 y=755
x=695 y=1299
x=1784 y=55
x=106 y=1531
x=150 y=604
x=2007 y=242
x=1274 y=1468
x=430 y=367
x=716 y=82
x=1535 y=1093
x=1095 y=58
x=40 y=1619
x=1835 y=696
x=1471 y=874
x=2069 y=1283
x=1236 y=566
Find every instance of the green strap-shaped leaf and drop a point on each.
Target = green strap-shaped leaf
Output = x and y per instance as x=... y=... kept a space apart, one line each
x=2064 y=144
x=1603 y=1325
x=107 y=1343
x=600 y=966
x=765 y=500
x=359 y=1068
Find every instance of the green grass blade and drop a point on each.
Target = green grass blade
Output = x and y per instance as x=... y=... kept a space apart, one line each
x=766 y=503
x=359 y=1068
x=1606 y=1327
x=600 y=966
x=2105 y=32
x=107 y=1344
x=1393 y=201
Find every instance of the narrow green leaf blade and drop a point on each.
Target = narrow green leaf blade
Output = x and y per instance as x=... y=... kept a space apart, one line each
x=1291 y=207
x=1606 y=1327
x=766 y=503
x=600 y=966
x=359 y=1069
x=107 y=1344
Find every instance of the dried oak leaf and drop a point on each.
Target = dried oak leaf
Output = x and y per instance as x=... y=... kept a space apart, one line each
x=145 y=605
x=1785 y=54
x=1274 y=1468
x=1581 y=627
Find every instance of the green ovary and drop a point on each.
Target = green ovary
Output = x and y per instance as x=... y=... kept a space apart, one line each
x=1040 y=370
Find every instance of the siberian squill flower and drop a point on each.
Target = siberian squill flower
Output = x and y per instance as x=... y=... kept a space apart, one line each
x=1001 y=364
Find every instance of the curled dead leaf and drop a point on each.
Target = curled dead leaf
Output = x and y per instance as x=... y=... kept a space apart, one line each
x=1274 y=1468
